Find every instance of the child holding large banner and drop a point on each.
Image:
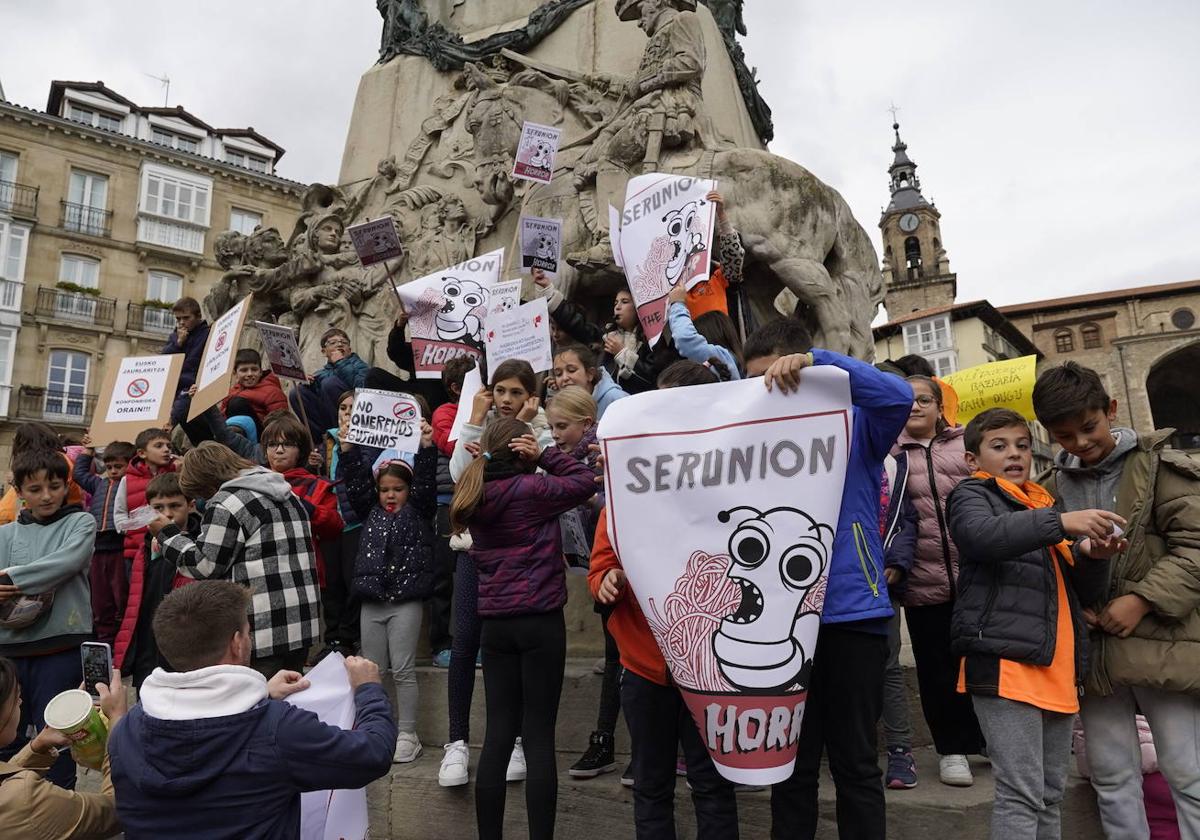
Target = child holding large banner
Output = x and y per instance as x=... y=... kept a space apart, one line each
x=512 y=513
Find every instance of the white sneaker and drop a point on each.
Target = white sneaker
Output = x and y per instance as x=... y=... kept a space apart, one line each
x=455 y=763
x=408 y=748
x=516 y=764
x=955 y=771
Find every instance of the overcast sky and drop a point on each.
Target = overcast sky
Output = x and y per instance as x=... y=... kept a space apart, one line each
x=1060 y=140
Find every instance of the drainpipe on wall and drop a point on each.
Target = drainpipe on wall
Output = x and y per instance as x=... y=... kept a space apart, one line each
x=1125 y=383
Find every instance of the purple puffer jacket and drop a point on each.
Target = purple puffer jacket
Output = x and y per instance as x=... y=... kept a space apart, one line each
x=517 y=547
x=942 y=464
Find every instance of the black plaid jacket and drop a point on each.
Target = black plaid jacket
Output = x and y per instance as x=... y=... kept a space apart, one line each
x=256 y=532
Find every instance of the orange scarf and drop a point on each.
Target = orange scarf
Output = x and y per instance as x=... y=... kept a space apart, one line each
x=1033 y=496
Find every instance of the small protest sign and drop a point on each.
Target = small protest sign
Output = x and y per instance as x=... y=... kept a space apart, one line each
x=523 y=333
x=1004 y=384
x=541 y=244
x=750 y=482
x=665 y=239
x=472 y=385
x=536 y=152
x=140 y=390
x=505 y=297
x=283 y=352
x=385 y=420
x=376 y=240
x=216 y=365
x=446 y=311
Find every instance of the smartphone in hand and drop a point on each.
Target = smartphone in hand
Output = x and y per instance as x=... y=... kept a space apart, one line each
x=97 y=666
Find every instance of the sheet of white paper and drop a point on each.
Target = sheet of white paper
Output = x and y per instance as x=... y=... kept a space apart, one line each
x=472 y=385
x=331 y=814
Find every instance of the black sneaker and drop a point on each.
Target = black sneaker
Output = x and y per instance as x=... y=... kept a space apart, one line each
x=597 y=759
x=325 y=651
x=627 y=775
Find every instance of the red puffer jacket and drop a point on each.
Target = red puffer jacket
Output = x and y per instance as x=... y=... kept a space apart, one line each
x=265 y=397
x=320 y=501
x=933 y=471
x=137 y=477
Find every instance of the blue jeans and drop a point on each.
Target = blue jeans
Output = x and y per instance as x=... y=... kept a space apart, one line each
x=41 y=678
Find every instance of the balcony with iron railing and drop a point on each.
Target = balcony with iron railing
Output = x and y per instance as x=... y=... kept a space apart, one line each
x=82 y=218
x=150 y=319
x=18 y=199
x=76 y=307
x=49 y=405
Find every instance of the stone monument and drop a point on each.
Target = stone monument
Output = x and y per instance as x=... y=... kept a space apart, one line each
x=633 y=85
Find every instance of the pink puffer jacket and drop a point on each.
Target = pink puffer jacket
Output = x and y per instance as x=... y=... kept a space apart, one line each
x=933 y=472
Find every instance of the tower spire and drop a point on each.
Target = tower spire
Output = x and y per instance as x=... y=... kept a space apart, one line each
x=903 y=180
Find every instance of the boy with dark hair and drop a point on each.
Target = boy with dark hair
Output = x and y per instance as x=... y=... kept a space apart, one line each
x=1143 y=606
x=45 y=605
x=255 y=393
x=110 y=583
x=189 y=338
x=154 y=456
x=344 y=371
x=845 y=690
x=1017 y=622
x=152 y=579
x=212 y=750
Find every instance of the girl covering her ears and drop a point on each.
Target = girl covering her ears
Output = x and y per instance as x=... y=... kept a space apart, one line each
x=394 y=496
x=512 y=394
x=576 y=364
x=512 y=513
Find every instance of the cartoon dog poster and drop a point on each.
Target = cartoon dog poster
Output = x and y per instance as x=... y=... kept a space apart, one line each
x=541 y=244
x=723 y=503
x=665 y=238
x=536 y=152
x=447 y=310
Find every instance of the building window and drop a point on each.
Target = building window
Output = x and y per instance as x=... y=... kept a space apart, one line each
x=97 y=119
x=66 y=383
x=1090 y=335
x=1064 y=341
x=87 y=198
x=163 y=286
x=912 y=253
x=248 y=161
x=944 y=364
x=79 y=271
x=13 y=241
x=244 y=221
x=8 y=343
x=927 y=336
x=175 y=141
x=175 y=196
x=1183 y=318
x=8 y=176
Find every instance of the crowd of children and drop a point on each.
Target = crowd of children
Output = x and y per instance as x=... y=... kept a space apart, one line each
x=1027 y=604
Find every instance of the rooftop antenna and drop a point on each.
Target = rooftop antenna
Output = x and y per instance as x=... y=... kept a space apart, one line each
x=165 y=81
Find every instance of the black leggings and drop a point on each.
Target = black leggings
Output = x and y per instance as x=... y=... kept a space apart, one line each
x=610 y=686
x=523 y=661
x=460 y=681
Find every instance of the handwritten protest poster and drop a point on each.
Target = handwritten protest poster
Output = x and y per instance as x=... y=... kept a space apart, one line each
x=216 y=365
x=1005 y=384
x=523 y=333
x=541 y=244
x=137 y=394
x=505 y=296
x=283 y=352
x=376 y=240
x=536 y=152
x=385 y=420
x=446 y=311
x=331 y=814
x=723 y=502
x=665 y=239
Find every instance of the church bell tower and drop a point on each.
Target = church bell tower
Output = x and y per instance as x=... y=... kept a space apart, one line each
x=916 y=270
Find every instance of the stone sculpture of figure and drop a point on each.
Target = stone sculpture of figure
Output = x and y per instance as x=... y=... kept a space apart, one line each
x=660 y=105
x=447 y=237
x=328 y=296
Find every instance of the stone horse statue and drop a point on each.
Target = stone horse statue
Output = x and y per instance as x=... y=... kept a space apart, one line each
x=798 y=232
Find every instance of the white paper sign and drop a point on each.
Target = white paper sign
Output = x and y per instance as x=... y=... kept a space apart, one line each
x=472 y=385
x=385 y=420
x=523 y=333
x=223 y=340
x=139 y=389
x=283 y=353
x=665 y=239
x=536 y=152
x=331 y=814
x=541 y=244
x=723 y=502
x=376 y=240
x=446 y=311
x=505 y=297
x=614 y=235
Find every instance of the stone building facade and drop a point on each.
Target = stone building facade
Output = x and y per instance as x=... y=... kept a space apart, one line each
x=108 y=212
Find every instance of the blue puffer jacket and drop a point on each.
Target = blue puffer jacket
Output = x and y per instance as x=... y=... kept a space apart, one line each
x=395 y=556
x=857 y=590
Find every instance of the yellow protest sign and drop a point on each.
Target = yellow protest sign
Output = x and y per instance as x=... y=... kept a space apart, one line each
x=1005 y=384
